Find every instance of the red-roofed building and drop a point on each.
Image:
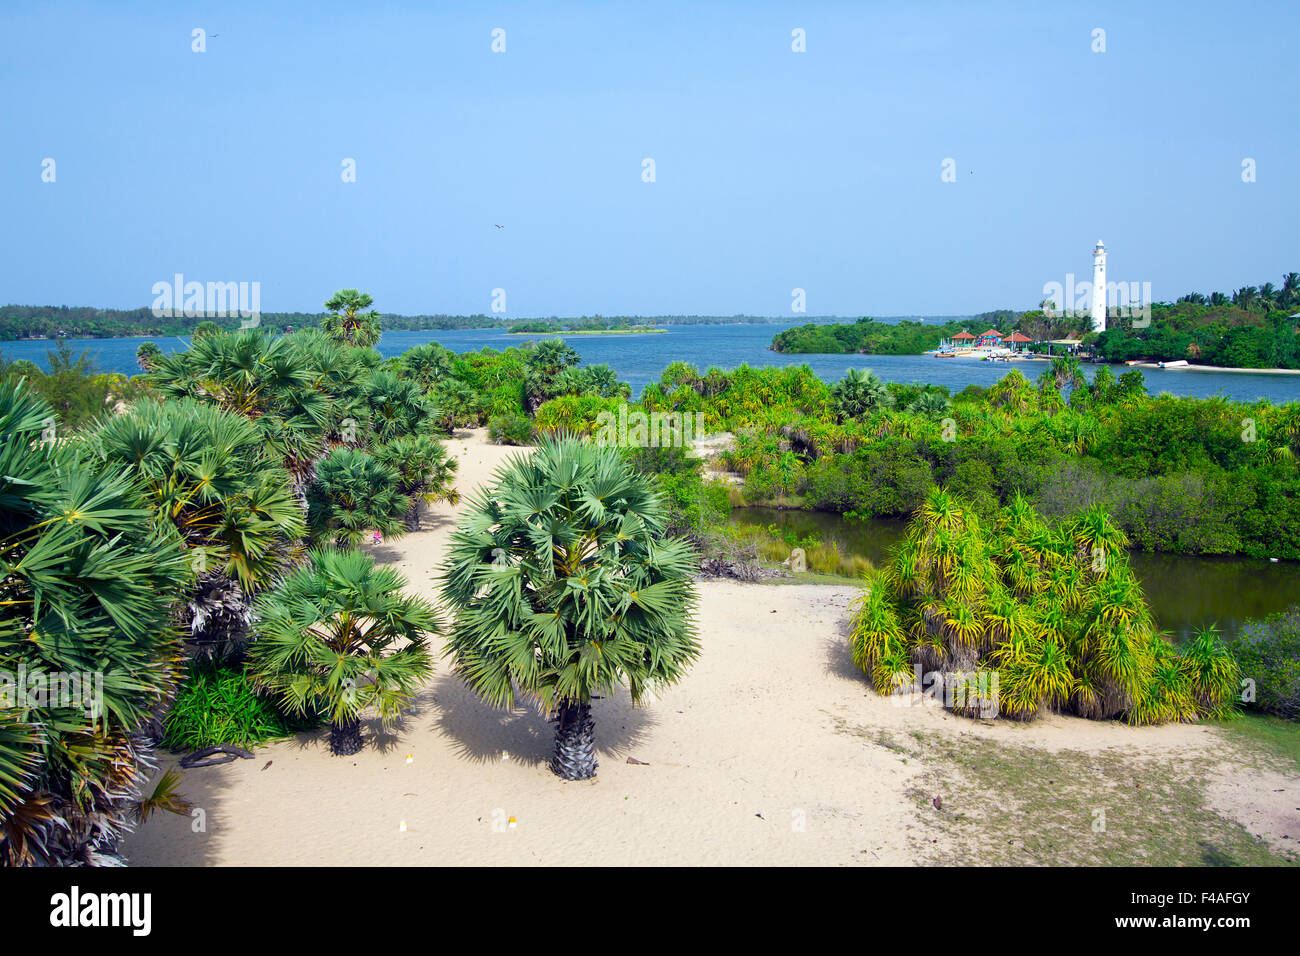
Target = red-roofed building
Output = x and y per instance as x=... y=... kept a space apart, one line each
x=964 y=336
x=991 y=339
x=1018 y=341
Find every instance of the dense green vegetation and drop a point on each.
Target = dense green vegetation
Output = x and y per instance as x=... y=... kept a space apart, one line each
x=1204 y=476
x=872 y=337
x=581 y=326
x=1269 y=655
x=88 y=646
x=1015 y=616
x=338 y=636
x=1230 y=336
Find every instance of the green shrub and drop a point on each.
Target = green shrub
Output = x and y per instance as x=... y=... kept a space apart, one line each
x=217 y=705
x=572 y=414
x=510 y=429
x=1054 y=614
x=1268 y=652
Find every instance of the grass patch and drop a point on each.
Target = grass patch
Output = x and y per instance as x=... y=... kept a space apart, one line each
x=218 y=706
x=1003 y=805
x=1274 y=737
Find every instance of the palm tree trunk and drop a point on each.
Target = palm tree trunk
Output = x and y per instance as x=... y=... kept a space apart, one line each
x=575 y=742
x=345 y=737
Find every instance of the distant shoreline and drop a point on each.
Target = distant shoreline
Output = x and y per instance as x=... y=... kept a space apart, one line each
x=1213 y=368
x=1044 y=358
x=588 y=332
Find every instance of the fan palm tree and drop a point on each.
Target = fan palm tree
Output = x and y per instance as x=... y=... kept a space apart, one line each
x=546 y=360
x=860 y=392
x=455 y=404
x=338 y=636
x=397 y=409
x=88 y=578
x=426 y=365
x=268 y=380
x=565 y=585
x=931 y=405
x=424 y=472
x=347 y=323
x=207 y=473
x=353 y=495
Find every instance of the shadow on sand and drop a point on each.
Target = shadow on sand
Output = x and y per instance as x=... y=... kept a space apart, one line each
x=482 y=732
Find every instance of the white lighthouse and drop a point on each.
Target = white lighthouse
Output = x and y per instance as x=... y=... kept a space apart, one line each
x=1099 y=287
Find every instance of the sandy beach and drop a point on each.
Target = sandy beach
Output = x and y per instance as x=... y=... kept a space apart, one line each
x=772 y=750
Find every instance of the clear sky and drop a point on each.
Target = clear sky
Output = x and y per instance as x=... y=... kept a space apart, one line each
x=774 y=170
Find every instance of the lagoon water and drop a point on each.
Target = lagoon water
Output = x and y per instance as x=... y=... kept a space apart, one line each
x=1186 y=592
x=639 y=359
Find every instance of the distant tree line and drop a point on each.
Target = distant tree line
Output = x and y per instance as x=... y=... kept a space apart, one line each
x=85 y=322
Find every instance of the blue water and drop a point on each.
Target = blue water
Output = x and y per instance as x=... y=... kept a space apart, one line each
x=640 y=359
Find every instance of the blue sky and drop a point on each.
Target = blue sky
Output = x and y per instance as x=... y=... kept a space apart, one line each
x=775 y=170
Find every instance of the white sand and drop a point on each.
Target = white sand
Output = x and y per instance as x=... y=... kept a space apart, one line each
x=757 y=757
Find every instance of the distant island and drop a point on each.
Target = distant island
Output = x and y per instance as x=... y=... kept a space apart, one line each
x=596 y=326
x=873 y=337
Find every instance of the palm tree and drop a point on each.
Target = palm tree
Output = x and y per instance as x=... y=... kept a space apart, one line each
x=455 y=404
x=859 y=393
x=426 y=365
x=424 y=472
x=1290 y=288
x=353 y=495
x=931 y=406
x=88 y=579
x=397 y=409
x=347 y=323
x=146 y=356
x=338 y=636
x=268 y=380
x=565 y=585
x=207 y=473
x=1063 y=371
x=546 y=360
